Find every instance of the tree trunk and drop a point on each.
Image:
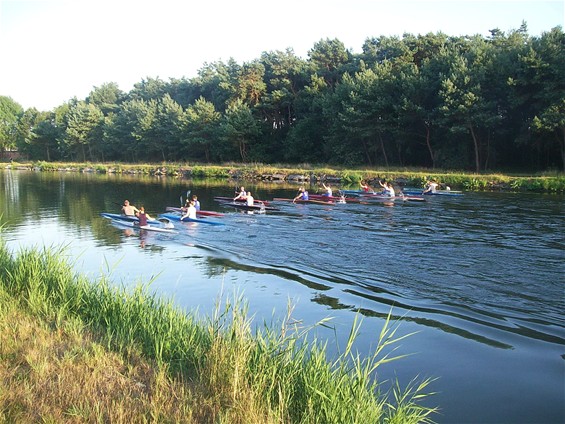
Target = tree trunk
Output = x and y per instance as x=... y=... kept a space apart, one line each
x=563 y=148
x=430 y=146
x=383 y=149
x=367 y=154
x=487 y=158
x=242 y=151
x=476 y=143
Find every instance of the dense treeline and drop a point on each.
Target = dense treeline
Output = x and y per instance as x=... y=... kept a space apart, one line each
x=431 y=100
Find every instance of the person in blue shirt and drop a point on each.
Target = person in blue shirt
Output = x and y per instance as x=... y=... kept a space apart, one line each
x=388 y=190
x=302 y=195
x=329 y=192
x=196 y=202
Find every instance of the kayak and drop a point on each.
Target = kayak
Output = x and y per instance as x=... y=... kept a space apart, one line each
x=245 y=206
x=368 y=196
x=127 y=218
x=177 y=217
x=357 y=193
x=412 y=192
x=230 y=199
x=149 y=227
x=383 y=198
x=309 y=201
x=198 y=213
x=336 y=199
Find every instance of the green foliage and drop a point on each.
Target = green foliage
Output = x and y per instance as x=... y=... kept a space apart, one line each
x=431 y=100
x=10 y=113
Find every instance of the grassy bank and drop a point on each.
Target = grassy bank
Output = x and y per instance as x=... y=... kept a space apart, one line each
x=548 y=182
x=74 y=350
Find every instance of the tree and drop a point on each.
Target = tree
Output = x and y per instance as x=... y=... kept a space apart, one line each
x=465 y=105
x=107 y=97
x=84 y=130
x=329 y=58
x=240 y=128
x=200 y=130
x=285 y=76
x=169 y=122
x=549 y=75
x=250 y=85
x=10 y=113
x=40 y=135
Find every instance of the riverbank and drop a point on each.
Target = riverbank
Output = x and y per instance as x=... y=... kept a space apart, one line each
x=75 y=350
x=544 y=183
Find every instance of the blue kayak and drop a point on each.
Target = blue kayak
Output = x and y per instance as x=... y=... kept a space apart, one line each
x=412 y=192
x=160 y=228
x=127 y=218
x=176 y=217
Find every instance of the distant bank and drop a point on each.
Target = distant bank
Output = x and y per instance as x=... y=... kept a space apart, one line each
x=306 y=173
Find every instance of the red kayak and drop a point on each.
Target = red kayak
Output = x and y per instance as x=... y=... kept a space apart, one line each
x=313 y=201
x=230 y=199
x=198 y=213
x=336 y=199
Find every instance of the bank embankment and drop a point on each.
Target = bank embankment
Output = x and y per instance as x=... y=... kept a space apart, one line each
x=74 y=350
x=547 y=182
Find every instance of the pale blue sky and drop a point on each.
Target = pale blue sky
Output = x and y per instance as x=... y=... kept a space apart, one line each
x=53 y=50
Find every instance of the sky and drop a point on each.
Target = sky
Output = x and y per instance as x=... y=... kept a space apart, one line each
x=55 y=50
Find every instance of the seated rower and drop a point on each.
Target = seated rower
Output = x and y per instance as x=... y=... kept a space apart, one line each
x=196 y=202
x=241 y=195
x=431 y=187
x=249 y=198
x=129 y=210
x=190 y=211
x=142 y=216
x=302 y=195
x=329 y=192
x=365 y=187
x=388 y=190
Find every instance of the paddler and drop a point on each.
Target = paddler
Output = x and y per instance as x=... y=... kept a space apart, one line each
x=388 y=189
x=242 y=194
x=249 y=198
x=431 y=187
x=329 y=192
x=190 y=211
x=143 y=217
x=302 y=195
x=129 y=210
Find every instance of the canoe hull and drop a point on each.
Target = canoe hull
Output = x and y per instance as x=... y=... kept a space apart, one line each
x=309 y=201
x=127 y=218
x=177 y=217
x=149 y=227
x=437 y=193
x=198 y=213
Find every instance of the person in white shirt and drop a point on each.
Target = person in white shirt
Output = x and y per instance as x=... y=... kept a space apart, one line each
x=190 y=212
x=249 y=199
x=431 y=187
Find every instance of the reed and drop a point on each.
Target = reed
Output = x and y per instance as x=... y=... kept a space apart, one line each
x=224 y=368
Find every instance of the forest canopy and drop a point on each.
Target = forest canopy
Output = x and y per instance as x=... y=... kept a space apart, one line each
x=472 y=102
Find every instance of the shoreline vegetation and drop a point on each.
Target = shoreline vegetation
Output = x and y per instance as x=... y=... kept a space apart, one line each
x=550 y=182
x=75 y=350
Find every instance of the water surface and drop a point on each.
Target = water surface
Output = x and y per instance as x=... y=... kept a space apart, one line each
x=478 y=278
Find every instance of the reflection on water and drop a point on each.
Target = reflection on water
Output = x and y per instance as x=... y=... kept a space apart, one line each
x=479 y=277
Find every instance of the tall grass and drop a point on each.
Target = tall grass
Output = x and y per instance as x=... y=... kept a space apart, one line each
x=241 y=373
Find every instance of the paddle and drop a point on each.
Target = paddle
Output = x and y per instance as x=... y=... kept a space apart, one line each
x=187 y=195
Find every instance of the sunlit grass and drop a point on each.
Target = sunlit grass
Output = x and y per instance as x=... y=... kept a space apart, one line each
x=76 y=349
